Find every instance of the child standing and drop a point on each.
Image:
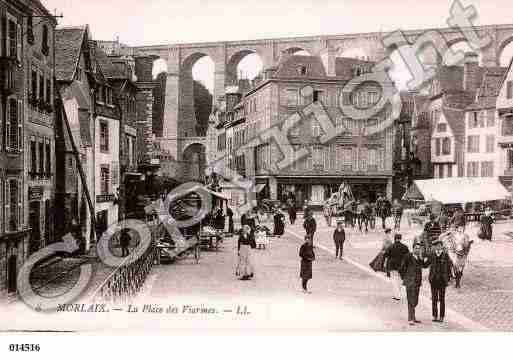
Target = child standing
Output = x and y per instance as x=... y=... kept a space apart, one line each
x=307 y=255
x=339 y=236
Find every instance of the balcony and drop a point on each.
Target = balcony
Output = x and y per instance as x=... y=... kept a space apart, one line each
x=7 y=75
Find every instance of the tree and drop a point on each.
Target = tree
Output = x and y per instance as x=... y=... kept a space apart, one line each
x=202 y=107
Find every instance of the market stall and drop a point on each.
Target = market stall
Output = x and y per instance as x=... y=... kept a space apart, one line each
x=458 y=191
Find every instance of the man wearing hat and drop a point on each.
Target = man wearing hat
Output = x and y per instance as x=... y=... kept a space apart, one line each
x=339 y=237
x=310 y=225
x=394 y=256
x=411 y=273
x=439 y=275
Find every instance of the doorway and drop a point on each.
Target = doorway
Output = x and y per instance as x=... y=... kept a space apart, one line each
x=12 y=273
x=35 y=226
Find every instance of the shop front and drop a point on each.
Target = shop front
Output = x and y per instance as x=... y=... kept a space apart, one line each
x=39 y=217
x=315 y=190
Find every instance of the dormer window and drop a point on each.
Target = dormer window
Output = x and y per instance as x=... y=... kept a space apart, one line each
x=441 y=127
x=302 y=70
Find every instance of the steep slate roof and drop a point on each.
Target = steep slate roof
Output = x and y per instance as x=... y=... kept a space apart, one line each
x=456 y=120
x=486 y=96
x=450 y=77
x=344 y=66
x=289 y=66
x=68 y=45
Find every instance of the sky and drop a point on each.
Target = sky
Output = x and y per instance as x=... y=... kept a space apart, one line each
x=153 y=22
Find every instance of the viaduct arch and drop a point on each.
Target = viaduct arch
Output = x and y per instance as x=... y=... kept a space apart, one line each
x=179 y=118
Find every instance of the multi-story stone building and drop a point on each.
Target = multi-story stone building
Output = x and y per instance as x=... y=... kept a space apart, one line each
x=120 y=73
x=27 y=133
x=505 y=129
x=481 y=128
x=452 y=90
x=360 y=154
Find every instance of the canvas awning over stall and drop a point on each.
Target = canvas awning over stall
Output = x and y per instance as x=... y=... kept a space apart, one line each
x=457 y=190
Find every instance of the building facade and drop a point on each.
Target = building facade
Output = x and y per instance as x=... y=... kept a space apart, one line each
x=505 y=129
x=481 y=120
x=360 y=154
x=27 y=140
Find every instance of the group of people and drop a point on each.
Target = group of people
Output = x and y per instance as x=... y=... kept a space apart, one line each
x=251 y=222
x=404 y=268
x=442 y=246
x=363 y=213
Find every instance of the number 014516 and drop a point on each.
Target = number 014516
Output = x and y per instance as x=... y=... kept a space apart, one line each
x=24 y=347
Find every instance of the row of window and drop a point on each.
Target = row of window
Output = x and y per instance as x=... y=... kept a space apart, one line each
x=12 y=32
x=480 y=119
x=104 y=95
x=332 y=157
x=40 y=158
x=473 y=144
x=474 y=166
x=443 y=146
x=41 y=90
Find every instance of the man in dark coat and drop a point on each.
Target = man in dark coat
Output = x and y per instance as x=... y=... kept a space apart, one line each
x=394 y=256
x=310 y=225
x=411 y=274
x=307 y=255
x=124 y=242
x=339 y=237
x=229 y=213
x=439 y=276
x=292 y=213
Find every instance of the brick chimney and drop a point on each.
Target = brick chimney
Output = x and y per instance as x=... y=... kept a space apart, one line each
x=471 y=72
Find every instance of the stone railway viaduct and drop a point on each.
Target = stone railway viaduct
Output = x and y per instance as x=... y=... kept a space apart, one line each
x=179 y=118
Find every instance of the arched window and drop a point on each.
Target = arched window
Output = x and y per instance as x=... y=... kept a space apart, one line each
x=45 y=49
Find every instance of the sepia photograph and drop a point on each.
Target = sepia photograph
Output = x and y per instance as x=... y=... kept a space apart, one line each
x=288 y=166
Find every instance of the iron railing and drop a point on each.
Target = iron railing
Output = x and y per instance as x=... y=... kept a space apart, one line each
x=127 y=281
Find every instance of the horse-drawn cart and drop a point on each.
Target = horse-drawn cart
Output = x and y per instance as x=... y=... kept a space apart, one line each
x=179 y=249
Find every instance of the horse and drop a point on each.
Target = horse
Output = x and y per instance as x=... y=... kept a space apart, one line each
x=458 y=246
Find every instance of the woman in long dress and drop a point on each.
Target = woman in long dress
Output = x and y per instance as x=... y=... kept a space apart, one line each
x=486 y=225
x=246 y=241
x=279 y=222
x=378 y=263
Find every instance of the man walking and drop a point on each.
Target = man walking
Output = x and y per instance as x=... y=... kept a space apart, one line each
x=310 y=225
x=411 y=273
x=394 y=257
x=339 y=237
x=292 y=213
x=439 y=275
x=397 y=211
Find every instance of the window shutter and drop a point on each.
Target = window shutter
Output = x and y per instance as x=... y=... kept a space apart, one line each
x=7 y=197
x=20 y=126
x=7 y=127
x=346 y=98
x=3 y=35
x=355 y=158
x=19 y=43
x=20 y=205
